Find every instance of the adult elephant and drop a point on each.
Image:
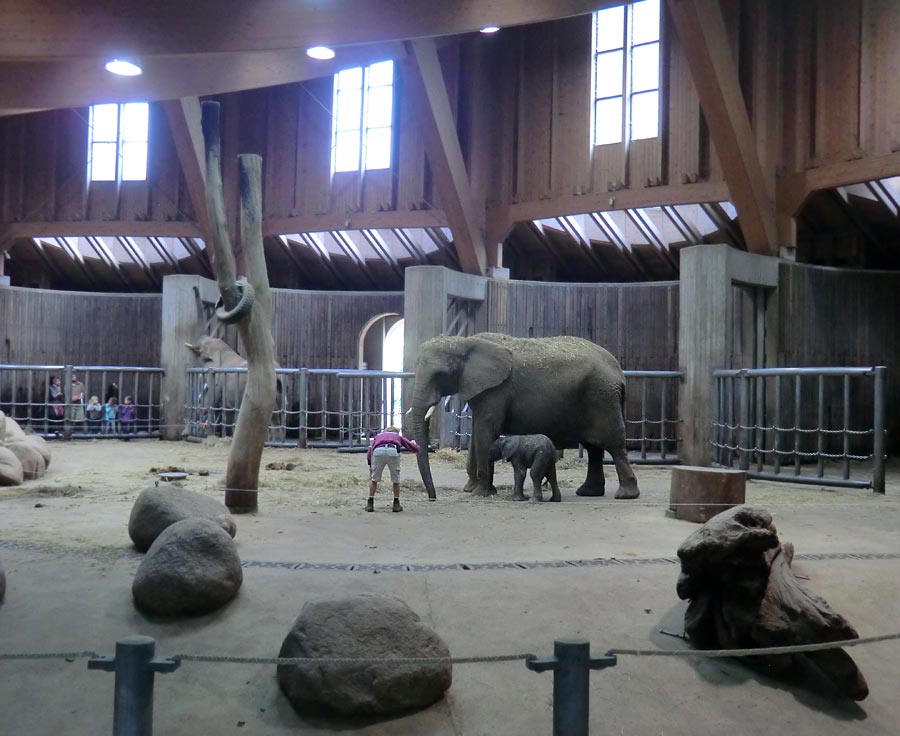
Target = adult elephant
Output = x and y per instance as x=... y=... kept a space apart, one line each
x=567 y=388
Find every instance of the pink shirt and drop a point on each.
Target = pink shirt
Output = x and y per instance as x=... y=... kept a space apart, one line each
x=383 y=439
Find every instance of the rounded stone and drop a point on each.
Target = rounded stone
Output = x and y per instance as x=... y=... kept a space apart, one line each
x=11 y=472
x=376 y=627
x=191 y=569
x=159 y=507
x=39 y=444
x=12 y=431
x=32 y=460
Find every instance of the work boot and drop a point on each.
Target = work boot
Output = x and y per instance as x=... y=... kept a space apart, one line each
x=370 y=504
x=397 y=506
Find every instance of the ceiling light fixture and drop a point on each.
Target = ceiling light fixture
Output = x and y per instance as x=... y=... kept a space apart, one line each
x=490 y=29
x=320 y=52
x=123 y=68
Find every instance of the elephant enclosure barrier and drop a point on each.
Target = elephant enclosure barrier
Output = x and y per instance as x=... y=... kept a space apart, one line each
x=315 y=407
x=25 y=396
x=771 y=422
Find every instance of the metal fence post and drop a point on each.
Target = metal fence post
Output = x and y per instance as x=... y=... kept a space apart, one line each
x=134 y=665
x=67 y=393
x=571 y=664
x=746 y=432
x=878 y=427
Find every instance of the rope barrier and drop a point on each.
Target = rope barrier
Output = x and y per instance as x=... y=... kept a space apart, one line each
x=484 y=659
x=69 y=656
x=756 y=652
x=210 y=658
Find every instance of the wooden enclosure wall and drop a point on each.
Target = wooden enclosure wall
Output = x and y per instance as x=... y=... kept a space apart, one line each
x=77 y=328
x=637 y=323
x=841 y=97
x=312 y=329
x=321 y=329
x=839 y=317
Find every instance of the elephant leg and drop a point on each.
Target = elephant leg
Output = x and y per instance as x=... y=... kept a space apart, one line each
x=551 y=477
x=483 y=434
x=519 y=476
x=471 y=469
x=537 y=476
x=628 y=486
x=595 y=483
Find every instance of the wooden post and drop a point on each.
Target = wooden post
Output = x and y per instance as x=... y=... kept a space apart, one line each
x=242 y=474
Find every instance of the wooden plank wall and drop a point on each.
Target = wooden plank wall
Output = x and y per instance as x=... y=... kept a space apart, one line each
x=638 y=323
x=841 y=99
x=838 y=317
x=313 y=329
x=320 y=329
x=68 y=327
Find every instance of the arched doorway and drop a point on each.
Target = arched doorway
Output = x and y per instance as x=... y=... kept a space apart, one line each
x=371 y=341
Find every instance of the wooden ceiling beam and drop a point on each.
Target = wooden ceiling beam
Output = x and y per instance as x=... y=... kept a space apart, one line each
x=110 y=228
x=73 y=28
x=794 y=189
x=578 y=204
x=384 y=220
x=704 y=40
x=109 y=260
x=425 y=82
x=184 y=123
x=29 y=85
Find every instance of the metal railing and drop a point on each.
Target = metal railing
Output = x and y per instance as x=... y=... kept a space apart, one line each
x=315 y=407
x=26 y=396
x=771 y=422
x=651 y=418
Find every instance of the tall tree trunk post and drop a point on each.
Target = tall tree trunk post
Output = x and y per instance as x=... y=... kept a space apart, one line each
x=242 y=474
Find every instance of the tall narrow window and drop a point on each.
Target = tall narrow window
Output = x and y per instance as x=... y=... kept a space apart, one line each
x=363 y=114
x=626 y=72
x=118 y=142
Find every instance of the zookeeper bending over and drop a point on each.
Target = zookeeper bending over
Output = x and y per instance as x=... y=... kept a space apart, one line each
x=385 y=451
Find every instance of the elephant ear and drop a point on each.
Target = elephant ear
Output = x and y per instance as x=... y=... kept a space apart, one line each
x=509 y=447
x=487 y=365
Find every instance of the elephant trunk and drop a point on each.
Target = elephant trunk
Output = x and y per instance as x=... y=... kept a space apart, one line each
x=419 y=426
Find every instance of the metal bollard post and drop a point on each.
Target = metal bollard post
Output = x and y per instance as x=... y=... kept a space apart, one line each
x=571 y=664
x=134 y=665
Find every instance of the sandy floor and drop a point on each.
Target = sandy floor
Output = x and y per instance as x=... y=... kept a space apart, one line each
x=64 y=542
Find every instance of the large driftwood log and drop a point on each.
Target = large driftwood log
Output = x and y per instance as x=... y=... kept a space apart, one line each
x=242 y=474
x=744 y=594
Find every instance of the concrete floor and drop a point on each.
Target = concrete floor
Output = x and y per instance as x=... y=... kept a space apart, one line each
x=69 y=573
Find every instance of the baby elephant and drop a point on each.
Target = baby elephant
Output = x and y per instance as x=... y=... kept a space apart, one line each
x=524 y=451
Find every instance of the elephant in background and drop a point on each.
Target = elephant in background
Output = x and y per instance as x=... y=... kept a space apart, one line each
x=567 y=388
x=534 y=451
x=228 y=388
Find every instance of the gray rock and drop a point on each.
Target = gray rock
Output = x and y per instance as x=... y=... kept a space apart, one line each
x=159 y=507
x=363 y=626
x=11 y=473
x=192 y=568
x=33 y=465
x=12 y=431
x=41 y=445
x=2 y=582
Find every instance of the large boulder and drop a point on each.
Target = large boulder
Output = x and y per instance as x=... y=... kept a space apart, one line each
x=33 y=465
x=192 y=568
x=12 y=431
x=376 y=627
x=39 y=444
x=159 y=507
x=11 y=473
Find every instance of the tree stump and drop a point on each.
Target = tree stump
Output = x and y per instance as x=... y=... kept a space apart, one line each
x=705 y=491
x=744 y=594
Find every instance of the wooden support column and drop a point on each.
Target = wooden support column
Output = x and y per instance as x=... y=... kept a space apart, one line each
x=184 y=122
x=425 y=81
x=704 y=40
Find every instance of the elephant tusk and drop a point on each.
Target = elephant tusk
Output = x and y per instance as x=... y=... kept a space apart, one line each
x=430 y=412
x=187 y=344
x=409 y=412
